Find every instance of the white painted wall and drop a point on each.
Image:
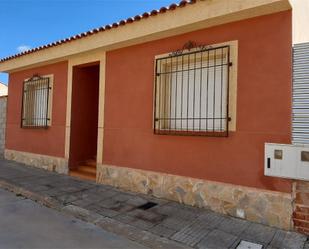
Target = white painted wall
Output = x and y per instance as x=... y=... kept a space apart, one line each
x=300 y=21
x=3 y=89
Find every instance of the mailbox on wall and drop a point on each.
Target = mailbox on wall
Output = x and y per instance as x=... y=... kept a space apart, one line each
x=287 y=161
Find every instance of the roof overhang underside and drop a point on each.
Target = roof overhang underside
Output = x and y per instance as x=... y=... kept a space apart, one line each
x=203 y=14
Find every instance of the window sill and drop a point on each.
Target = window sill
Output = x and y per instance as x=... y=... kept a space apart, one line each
x=34 y=127
x=192 y=133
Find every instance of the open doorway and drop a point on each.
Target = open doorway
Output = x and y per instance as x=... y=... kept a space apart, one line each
x=84 y=121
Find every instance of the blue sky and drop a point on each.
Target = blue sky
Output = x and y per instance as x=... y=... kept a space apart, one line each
x=31 y=23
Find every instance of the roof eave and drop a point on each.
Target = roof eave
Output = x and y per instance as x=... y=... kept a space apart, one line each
x=204 y=14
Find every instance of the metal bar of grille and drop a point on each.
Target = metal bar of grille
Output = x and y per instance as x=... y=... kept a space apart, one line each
x=181 y=103
x=35 y=103
x=214 y=96
x=227 y=117
x=194 y=72
x=176 y=92
x=188 y=92
x=170 y=94
x=207 y=82
x=47 y=104
x=221 y=105
x=190 y=69
x=156 y=100
x=191 y=93
x=201 y=80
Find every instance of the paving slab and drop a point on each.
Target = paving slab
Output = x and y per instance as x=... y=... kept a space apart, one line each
x=258 y=233
x=198 y=229
x=103 y=211
x=139 y=223
x=136 y=201
x=108 y=203
x=192 y=234
x=162 y=231
x=288 y=240
x=121 y=197
x=233 y=225
x=146 y=215
x=217 y=239
x=176 y=222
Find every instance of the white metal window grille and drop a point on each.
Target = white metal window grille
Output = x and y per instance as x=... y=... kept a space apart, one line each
x=191 y=93
x=300 y=122
x=35 y=104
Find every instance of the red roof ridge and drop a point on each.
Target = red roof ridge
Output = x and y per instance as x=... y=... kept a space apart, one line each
x=123 y=22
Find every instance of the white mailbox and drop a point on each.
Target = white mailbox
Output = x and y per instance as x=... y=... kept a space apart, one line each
x=287 y=161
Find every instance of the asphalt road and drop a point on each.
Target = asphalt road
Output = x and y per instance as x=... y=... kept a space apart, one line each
x=25 y=224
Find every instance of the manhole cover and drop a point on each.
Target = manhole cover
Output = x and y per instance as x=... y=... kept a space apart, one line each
x=248 y=245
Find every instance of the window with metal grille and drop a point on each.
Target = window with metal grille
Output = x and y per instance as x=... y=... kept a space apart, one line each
x=36 y=102
x=191 y=92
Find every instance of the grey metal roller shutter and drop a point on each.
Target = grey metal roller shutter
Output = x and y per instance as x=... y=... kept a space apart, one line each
x=300 y=122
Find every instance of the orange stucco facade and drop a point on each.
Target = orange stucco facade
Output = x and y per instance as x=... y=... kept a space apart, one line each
x=263 y=107
x=49 y=141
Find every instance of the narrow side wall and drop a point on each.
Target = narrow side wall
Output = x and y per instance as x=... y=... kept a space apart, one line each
x=3 y=105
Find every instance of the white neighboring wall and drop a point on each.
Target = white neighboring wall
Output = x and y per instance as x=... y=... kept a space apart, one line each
x=300 y=21
x=3 y=89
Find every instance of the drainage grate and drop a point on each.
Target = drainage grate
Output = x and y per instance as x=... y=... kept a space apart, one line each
x=147 y=205
x=248 y=245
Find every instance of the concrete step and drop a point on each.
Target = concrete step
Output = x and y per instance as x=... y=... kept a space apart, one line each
x=87 y=169
x=83 y=175
x=90 y=162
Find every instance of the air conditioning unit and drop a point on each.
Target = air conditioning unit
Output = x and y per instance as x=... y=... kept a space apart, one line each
x=287 y=161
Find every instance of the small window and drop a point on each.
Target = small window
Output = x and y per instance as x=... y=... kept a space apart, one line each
x=36 y=102
x=191 y=93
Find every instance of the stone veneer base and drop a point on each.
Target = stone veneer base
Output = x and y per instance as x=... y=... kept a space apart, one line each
x=262 y=206
x=57 y=164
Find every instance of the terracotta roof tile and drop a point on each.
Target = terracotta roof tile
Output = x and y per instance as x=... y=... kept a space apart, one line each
x=163 y=10
x=130 y=20
x=182 y=3
x=173 y=6
x=103 y=28
x=145 y=15
x=153 y=12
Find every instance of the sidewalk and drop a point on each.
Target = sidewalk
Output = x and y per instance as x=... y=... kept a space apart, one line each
x=153 y=222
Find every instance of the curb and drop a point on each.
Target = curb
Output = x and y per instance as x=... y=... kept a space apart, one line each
x=125 y=230
x=44 y=200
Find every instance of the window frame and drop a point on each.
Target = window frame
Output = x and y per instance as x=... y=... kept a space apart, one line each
x=231 y=92
x=49 y=103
